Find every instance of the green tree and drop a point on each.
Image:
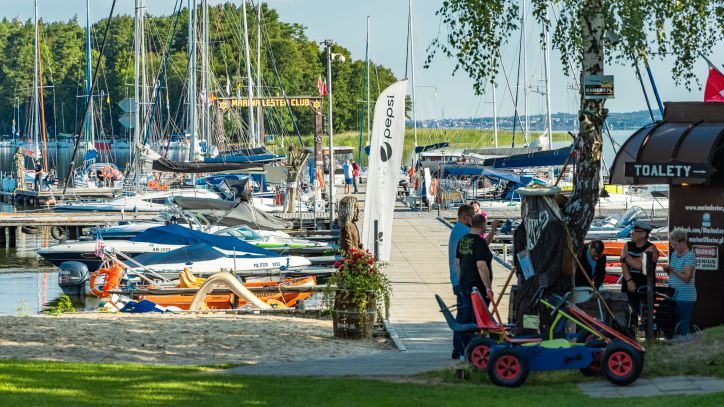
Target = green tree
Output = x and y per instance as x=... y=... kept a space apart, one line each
x=682 y=29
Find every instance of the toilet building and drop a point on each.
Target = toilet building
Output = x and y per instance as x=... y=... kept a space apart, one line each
x=686 y=151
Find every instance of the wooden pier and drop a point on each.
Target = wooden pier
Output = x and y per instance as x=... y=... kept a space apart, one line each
x=62 y=225
x=42 y=198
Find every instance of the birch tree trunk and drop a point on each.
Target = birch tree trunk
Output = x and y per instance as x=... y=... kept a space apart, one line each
x=581 y=208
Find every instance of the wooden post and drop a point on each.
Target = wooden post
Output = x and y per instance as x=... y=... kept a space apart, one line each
x=13 y=232
x=3 y=238
x=650 y=267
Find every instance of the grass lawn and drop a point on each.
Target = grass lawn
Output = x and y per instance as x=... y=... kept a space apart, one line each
x=459 y=139
x=36 y=383
x=25 y=383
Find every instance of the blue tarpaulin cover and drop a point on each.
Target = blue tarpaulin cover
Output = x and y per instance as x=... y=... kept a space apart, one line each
x=179 y=235
x=547 y=158
x=476 y=170
x=185 y=255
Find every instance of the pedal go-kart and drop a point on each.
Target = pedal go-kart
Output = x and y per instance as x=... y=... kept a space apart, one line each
x=508 y=359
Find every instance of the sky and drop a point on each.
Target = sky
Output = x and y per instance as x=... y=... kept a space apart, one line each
x=439 y=94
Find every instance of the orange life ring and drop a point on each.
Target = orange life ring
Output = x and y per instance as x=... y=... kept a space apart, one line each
x=113 y=279
x=153 y=184
x=107 y=171
x=162 y=187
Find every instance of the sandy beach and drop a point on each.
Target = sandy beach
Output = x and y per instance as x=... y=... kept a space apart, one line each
x=175 y=339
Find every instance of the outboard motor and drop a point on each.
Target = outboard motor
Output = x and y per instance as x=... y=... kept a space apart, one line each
x=72 y=277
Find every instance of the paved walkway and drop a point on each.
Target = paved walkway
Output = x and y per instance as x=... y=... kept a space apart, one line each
x=418 y=269
x=659 y=386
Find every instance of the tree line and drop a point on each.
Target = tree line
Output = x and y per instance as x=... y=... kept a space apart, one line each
x=291 y=65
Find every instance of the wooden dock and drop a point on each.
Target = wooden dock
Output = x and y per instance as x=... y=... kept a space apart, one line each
x=69 y=225
x=41 y=198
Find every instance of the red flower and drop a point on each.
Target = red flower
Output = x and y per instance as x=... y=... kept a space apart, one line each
x=349 y=261
x=337 y=263
x=371 y=261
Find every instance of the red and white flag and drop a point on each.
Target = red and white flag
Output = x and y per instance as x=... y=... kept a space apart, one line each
x=714 y=90
x=320 y=85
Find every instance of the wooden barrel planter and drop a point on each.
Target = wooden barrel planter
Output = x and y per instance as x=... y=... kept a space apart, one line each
x=349 y=322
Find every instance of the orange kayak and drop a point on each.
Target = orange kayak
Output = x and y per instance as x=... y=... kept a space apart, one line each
x=614 y=248
x=230 y=300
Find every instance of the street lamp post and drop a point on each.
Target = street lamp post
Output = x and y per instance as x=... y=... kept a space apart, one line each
x=332 y=166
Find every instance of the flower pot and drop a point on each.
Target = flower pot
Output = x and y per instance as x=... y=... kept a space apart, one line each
x=349 y=321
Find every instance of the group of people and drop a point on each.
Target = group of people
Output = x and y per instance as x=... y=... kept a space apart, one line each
x=470 y=261
x=351 y=176
x=681 y=272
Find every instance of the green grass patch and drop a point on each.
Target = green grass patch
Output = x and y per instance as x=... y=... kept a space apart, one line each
x=459 y=139
x=40 y=383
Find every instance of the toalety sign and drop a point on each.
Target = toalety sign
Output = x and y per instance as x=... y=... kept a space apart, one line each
x=672 y=170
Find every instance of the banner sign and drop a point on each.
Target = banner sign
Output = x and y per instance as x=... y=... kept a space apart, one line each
x=296 y=101
x=386 y=144
x=598 y=86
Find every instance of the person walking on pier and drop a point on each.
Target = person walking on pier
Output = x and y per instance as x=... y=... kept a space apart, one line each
x=461 y=228
x=355 y=176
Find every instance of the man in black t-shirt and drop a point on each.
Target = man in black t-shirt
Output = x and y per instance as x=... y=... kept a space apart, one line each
x=474 y=267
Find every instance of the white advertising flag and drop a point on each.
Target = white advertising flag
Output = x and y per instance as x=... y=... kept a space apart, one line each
x=386 y=144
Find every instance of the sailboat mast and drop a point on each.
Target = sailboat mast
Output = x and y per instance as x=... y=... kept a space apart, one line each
x=365 y=88
x=547 y=67
x=412 y=72
x=495 y=117
x=249 y=82
x=136 y=92
x=525 y=73
x=192 y=79
x=36 y=96
x=88 y=78
x=367 y=67
x=259 y=118
x=205 y=74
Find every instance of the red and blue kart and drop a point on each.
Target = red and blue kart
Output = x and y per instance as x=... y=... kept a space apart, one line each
x=508 y=359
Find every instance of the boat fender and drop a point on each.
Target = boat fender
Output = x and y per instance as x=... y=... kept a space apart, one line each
x=30 y=230
x=112 y=279
x=58 y=233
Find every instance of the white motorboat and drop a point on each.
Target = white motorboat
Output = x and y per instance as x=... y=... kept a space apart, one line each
x=152 y=201
x=171 y=237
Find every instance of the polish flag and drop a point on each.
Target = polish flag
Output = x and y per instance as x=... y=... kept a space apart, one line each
x=714 y=90
x=322 y=86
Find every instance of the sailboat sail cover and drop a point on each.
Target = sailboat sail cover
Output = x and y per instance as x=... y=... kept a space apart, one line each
x=547 y=158
x=166 y=165
x=430 y=147
x=386 y=144
x=180 y=235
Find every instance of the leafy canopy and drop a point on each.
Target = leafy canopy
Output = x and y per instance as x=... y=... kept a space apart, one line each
x=684 y=29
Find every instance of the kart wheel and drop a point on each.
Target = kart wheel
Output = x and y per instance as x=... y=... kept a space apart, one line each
x=508 y=368
x=594 y=369
x=621 y=364
x=477 y=353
